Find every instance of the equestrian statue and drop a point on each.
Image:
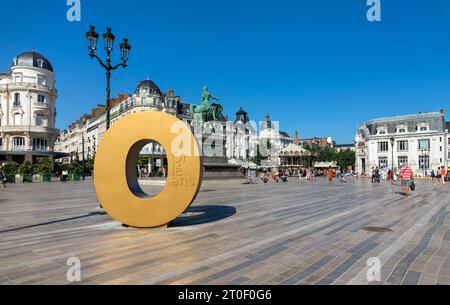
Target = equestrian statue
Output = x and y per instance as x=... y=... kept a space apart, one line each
x=207 y=111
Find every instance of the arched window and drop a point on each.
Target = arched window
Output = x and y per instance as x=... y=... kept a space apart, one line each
x=41 y=120
x=17 y=119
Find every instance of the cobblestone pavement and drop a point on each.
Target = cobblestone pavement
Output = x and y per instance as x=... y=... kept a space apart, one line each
x=293 y=233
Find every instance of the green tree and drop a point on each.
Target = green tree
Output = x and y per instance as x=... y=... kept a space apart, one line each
x=326 y=154
x=10 y=168
x=89 y=164
x=346 y=158
x=26 y=168
x=75 y=168
x=44 y=166
x=59 y=167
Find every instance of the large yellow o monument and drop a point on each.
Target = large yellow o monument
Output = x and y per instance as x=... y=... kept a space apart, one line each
x=115 y=176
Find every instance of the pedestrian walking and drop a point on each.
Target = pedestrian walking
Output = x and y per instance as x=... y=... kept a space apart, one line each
x=3 y=179
x=407 y=179
x=330 y=175
x=443 y=174
x=64 y=174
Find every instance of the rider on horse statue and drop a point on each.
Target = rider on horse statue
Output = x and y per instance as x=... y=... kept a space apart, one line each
x=207 y=111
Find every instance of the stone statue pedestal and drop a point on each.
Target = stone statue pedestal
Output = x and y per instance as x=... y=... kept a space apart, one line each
x=217 y=167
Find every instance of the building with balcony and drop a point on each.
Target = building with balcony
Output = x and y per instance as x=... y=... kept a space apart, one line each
x=85 y=134
x=420 y=140
x=27 y=109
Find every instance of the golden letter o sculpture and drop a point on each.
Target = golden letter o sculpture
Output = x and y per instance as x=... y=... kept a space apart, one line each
x=115 y=175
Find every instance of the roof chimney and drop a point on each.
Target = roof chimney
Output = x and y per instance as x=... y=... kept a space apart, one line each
x=442 y=111
x=296 y=139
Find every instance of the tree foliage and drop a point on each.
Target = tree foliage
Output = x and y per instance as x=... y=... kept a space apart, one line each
x=10 y=168
x=44 y=166
x=26 y=168
x=344 y=158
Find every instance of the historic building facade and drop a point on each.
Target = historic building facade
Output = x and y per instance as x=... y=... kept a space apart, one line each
x=242 y=138
x=269 y=133
x=86 y=133
x=420 y=140
x=447 y=151
x=27 y=109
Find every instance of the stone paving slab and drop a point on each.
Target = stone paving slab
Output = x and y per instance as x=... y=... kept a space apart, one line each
x=307 y=233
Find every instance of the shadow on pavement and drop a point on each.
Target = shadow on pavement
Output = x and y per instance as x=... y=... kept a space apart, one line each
x=52 y=222
x=203 y=214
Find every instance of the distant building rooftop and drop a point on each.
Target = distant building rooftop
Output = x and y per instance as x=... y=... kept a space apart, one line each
x=344 y=145
x=435 y=120
x=409 y=117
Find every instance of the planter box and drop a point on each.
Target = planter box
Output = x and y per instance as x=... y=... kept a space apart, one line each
x=46 y=178
x=26 y=178
x=74 y=177
x=11 y=178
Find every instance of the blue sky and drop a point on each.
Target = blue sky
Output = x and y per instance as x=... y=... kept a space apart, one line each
x=316 y=66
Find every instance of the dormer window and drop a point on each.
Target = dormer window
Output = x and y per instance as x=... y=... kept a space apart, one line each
x=402 y=129
x=423 y=127
x=40 y=63
x=382 y=131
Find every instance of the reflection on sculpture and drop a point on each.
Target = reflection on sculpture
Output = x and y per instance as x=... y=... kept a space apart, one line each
x=207 y=111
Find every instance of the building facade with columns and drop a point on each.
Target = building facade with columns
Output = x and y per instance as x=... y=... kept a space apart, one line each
x=27 y=109
x=420 y=140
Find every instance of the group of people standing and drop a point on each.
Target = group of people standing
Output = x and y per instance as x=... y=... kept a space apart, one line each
x=439 y=175
x=341 y=173
x=307 y=174
x=274 y=176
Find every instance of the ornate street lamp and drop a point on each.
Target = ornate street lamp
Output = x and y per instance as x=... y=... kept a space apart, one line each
x=125 y=48
x=392 y=146
x=84 y=161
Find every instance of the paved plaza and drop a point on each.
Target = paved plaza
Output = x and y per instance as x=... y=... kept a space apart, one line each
x=292 y=233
